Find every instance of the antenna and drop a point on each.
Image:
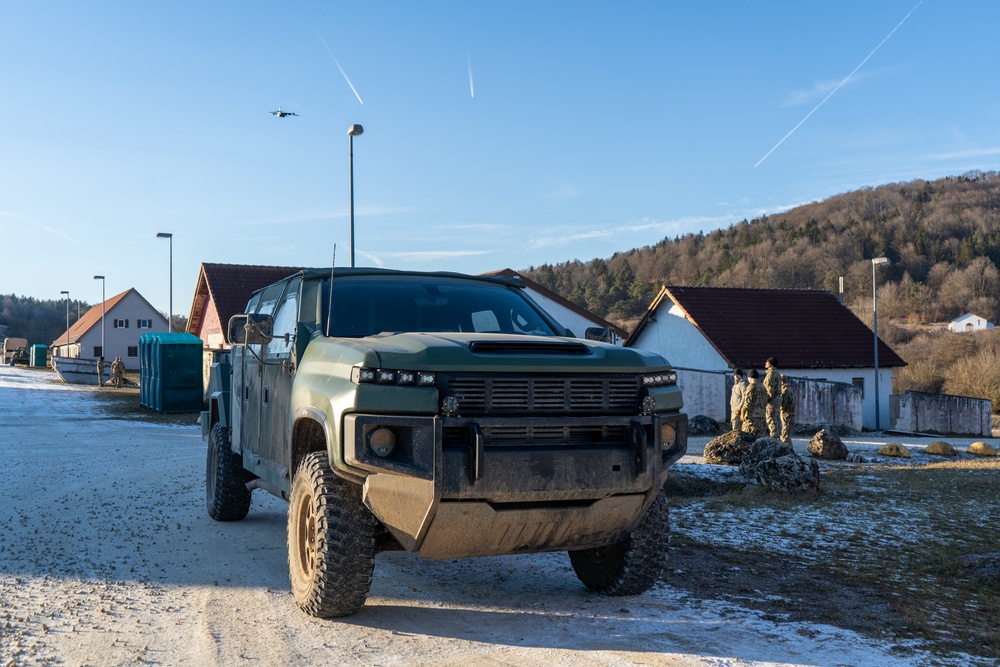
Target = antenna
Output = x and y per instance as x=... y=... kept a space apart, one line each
x=329 y=310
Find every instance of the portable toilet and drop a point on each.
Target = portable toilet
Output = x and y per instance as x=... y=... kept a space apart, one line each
x=170 y=372
x=37 y=355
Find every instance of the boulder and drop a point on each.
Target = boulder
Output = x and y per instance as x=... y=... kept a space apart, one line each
x=982 y=449
x=775 y=465
x=827 y=446
x=894 y=449
x=704 y=425
x=941 y=448
x=728 y=448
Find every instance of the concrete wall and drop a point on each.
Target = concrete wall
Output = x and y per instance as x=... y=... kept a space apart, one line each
x=817 y=402
x=940 y=413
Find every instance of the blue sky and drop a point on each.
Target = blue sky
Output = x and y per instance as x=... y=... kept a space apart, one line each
x=504 y=134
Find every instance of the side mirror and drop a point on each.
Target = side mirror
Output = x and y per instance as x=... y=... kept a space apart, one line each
x=250 y=329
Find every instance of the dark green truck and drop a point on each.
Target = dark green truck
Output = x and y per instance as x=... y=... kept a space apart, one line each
x=443 y=414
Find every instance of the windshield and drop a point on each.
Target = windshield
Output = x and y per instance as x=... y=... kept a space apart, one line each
x=370 y=307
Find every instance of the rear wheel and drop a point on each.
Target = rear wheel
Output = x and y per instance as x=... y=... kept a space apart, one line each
x=331 y=541
x=226 y=494
x=632 y=565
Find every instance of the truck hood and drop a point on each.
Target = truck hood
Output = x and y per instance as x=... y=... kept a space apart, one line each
x=454 y=351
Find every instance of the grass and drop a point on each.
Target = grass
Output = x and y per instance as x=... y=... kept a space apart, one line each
x=124 y=404
x=913 y=537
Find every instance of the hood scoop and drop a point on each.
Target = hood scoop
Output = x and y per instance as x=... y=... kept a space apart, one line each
x=562 y=348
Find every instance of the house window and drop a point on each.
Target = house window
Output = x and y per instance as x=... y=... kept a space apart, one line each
x=121 y=324
x=860 y=384
x=145 y=324
x=98 y=351
x=133 y=351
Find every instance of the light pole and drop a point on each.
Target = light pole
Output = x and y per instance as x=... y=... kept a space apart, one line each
x=66 y=292
x=170 y=313
x=353 y=131
x=875 y=262
x=103 y=299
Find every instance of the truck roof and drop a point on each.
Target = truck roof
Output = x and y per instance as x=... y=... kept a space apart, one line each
x=346 y=272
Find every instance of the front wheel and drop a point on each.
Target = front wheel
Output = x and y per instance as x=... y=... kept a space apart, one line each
x=331 y=541
x=632 y=565
x=226 y=494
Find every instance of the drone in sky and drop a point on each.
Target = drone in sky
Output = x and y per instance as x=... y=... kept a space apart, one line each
x=281 y=114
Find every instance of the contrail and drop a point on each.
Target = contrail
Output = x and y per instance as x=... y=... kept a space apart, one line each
x=472 y=88
x=342 y=72
x=839 y=85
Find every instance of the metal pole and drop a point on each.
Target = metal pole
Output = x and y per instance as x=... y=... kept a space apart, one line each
x=878 y=423
x=353 y=131
x=103 y=299
x=170 y=305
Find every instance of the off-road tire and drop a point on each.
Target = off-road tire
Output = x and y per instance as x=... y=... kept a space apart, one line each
x=331 y=541
x=633 y=565
x=226 y=494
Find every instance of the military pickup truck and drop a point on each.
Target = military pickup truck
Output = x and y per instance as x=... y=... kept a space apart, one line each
x=445 y=415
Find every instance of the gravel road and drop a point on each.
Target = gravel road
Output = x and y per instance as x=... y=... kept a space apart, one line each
x=107 y=557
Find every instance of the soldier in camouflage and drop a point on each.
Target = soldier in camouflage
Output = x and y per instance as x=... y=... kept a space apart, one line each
x=787 y=411
x=736 y=399
x=754 y=401
x=772 y=385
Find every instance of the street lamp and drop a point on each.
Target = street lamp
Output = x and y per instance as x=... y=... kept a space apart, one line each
x=354 y=130
x=875 y=262
x=170 y=313
x=103 y=299
x=66 y=292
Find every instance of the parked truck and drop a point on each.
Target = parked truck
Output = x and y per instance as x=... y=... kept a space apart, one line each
x=441 y=414
x=10 y=350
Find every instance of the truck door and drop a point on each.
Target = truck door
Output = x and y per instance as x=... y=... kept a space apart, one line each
x=250 y=395
x=276 y=382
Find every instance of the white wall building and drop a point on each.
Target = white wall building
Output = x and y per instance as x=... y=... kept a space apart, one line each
x=126 y=316
x=707 y=332
x=969 y=322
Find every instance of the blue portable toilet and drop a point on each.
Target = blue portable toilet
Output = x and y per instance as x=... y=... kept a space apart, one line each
x=38 y=355
x=170 y=372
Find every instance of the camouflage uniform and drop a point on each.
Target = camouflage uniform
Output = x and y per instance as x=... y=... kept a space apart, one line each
x=736 y=402
x=772 y=385
x=752 y=412
x=118 y=372
x=787 y=413
x=100 y=371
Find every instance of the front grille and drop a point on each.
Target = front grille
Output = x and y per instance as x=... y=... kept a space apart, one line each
x=511 y=436
x=541 y=396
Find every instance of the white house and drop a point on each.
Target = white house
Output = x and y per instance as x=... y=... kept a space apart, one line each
x=125 y=317
x=706 y=332
x=581 y=322
x=969 y=322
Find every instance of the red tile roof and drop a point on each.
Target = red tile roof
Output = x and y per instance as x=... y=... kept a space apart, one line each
x=230 y=287
x=801 y=328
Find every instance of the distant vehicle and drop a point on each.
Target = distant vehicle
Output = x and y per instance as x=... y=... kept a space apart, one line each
x=10 y=346
x=281 y=114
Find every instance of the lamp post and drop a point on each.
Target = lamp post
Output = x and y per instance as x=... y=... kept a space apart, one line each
x=354 y=130
x=66 y=292
x=170 y=313
x=103 y=299
x=875 y=262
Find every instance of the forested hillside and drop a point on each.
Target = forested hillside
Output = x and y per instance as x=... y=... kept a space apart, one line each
x=943 y=238
x=38 y=321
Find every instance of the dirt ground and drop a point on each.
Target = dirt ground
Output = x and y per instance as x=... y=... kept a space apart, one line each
x=107 y=557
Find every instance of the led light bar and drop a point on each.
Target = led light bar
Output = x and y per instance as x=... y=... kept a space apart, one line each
x=365 y=375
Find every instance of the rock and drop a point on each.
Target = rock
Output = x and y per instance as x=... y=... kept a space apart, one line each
x=941 y=448
x=775 y=465
x=857 y=458
x=704 y=425
x=827 y=446
x=894 y=449
x=982 y=449
x=728 y=448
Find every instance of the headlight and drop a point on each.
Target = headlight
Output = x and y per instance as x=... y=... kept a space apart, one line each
x=365 y=375
x=662 y=379
x=382 y=441
x=668 y=436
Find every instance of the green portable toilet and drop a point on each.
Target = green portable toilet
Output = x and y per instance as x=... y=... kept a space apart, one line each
x=38 y=354
x=170 y=367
